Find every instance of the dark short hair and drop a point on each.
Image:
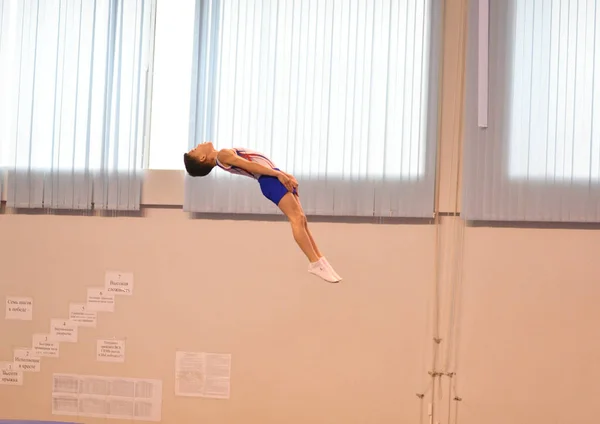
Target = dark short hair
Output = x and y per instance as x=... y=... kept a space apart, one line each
x=196 y=168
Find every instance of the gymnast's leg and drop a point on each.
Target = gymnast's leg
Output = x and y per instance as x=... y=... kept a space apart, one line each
x=290 y=206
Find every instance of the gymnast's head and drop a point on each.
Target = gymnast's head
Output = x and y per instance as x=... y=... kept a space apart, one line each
x=200 y=160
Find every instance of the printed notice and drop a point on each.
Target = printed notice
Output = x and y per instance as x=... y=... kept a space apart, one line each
x=110 y=351
x=148 y=400
x=121 y=409
x=99 y=300
x=94 y=386
x=107 y=397
x=63 y=404
x=119 y=283
x=63 y=330
x=189 y=373
x=122 y=387
x=93 y=406
x=65 y=384
x=10 y=375
x=26 y=360
x=199 y=374
x=19 y=308
x=80 y=315
x=44 y=345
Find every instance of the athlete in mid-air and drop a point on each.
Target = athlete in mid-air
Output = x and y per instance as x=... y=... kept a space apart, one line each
x=277 y=186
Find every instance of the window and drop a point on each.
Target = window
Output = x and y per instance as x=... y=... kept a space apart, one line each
x=73 y=84
x=328 y=87
x=555 y=113
x=538 y=158
x=309 y=80
x=73 y=108
x=330 y=90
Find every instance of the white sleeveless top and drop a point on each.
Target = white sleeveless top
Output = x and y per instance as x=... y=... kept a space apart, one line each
x=249 y=155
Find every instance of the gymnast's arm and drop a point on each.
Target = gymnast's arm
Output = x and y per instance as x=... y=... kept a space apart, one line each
x=227 y=157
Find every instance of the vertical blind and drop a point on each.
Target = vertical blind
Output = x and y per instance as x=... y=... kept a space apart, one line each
x=73 y=107
x=342 y=94
x=539 y=157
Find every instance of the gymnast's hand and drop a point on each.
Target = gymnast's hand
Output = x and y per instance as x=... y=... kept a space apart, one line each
x=294 y=181
x=288 y=181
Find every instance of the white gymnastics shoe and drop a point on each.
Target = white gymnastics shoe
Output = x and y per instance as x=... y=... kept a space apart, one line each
x=320 y=269
x=335 y=274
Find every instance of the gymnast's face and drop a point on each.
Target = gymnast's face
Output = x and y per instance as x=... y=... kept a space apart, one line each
x=202 y=150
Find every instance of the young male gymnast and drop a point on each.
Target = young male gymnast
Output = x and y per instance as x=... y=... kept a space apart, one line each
x=277 y=186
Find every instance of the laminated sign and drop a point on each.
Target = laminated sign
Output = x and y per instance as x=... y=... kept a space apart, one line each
x=119 y=283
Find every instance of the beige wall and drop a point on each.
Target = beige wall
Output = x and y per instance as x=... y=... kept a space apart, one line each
x=516 y=308
x=302 y=350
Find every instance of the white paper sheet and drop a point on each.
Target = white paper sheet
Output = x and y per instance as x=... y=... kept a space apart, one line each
x=26 y=360
x=119 y=283
x=218 y=375
x=80 y=315
x=148 y=400
x=63 y=330
x=200 y=374
x=145 y=389
x=107 y=397
x=20 y=308
x=110 y=351
x=93 y=406
x=121 y=409
x=94 y=386
x=189 y=373
x=146 y=410
x=99 y=300
x=10 y=375
x=65 y=384
x=44 y=345
x=7 y=365
x=63 y=404
x=122 y=387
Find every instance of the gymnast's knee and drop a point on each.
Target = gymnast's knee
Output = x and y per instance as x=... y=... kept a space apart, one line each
x=297 y=218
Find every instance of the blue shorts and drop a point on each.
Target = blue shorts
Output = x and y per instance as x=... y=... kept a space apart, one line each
x=272 y=188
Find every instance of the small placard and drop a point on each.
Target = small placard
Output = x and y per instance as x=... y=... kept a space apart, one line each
x=81 y=315
x=99 y=300
x=63 y=330
x=119 y=283
x=110 y=351
x=26 y=360
x=20 y=308
x=44 y=345
x=10 y=375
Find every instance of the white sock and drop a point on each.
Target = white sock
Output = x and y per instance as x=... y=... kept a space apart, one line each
x=320 y=269
x=331 y=268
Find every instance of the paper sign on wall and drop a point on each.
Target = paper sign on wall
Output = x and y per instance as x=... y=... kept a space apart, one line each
x=107 y=397
x=110 y=351
x=81 y=315
x=119 y=283
x=44 y=345
x=19 y=308
x=26 y=360
x=63 y=330
x=99 y=300
x=10 y=375
x=199 y=374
